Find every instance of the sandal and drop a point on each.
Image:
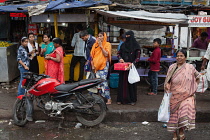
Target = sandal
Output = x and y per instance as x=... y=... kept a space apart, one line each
x=151 y=93
x=182 y=137
x=109 y=102
x=175 y=138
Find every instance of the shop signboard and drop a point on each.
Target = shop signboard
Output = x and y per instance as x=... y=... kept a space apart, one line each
x=17 y=15
x=199 y=21
x=2 y=2
x=32 y=28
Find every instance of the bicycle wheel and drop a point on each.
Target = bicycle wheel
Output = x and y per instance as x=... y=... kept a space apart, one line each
x=161 y=74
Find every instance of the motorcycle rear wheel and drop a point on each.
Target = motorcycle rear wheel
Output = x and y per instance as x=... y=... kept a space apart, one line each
x=19 y=112
x=94 y=115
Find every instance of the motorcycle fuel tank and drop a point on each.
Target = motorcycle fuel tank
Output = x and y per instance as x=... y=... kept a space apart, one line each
x=46 y=85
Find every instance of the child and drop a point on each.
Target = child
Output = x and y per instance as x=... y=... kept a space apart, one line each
x=23 y=63
x=154 y=62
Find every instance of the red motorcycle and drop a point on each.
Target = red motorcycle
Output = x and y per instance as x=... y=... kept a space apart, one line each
x=54 y=99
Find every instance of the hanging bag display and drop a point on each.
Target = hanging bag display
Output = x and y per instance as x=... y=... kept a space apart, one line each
x=133 y=75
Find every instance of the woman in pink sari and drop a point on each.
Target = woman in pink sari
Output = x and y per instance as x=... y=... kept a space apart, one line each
x=55 y=61
x=181 y=81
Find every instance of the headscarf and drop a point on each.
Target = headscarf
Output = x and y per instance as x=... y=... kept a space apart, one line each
x=98 y=59
x=129 y=47
x=131 y=44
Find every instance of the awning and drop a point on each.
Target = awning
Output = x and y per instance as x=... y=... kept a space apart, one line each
x=53 y=5
x=158 y=17
x=63 y=4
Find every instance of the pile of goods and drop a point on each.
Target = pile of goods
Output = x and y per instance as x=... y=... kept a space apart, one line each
x=165 y=46
x=114 y=52
x=5 y=44
x=168 y=34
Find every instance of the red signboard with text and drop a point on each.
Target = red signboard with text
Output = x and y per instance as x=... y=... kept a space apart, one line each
x=17 y=15
x=199 y=21
x=32 y=28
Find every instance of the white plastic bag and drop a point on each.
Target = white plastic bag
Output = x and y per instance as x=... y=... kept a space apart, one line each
x=164 y=110
x=208 y=71
x=203 y=83
x=133 y=75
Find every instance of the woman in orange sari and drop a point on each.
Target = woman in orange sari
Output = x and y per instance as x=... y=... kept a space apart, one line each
x=182 y=80
x=101 y=56
x=55 y=61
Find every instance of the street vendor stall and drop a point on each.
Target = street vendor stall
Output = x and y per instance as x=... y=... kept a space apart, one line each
x=51 y=10
x=202 y=23
x=157 y=24
x=147 y=21
x=190 y=31
x=8 y=64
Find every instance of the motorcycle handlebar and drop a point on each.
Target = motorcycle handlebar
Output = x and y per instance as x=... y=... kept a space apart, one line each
x=35 y=76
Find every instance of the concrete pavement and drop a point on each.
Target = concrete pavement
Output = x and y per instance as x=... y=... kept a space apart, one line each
x=145 y=109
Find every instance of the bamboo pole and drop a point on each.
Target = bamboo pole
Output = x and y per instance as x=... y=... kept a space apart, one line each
x=55 y=24
x=96 y=25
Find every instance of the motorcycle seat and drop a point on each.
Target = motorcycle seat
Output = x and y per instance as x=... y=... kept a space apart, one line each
x=66 y=87
x=87 y=81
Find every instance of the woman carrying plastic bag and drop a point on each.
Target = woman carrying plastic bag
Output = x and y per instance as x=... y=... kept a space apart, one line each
x=129 y=53
x=181 y=80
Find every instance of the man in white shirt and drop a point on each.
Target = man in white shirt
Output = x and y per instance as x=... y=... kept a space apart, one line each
x=79 y=55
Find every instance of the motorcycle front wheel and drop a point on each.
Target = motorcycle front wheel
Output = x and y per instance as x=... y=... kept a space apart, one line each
x=19 y=112
x=95 y=114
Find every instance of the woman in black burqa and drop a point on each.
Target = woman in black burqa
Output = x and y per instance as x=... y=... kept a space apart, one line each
x=129 y=52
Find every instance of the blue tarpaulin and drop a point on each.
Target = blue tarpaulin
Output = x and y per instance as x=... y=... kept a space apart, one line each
x=54 y=5
x=63 y=4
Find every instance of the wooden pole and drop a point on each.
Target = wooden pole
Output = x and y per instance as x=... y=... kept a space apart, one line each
x=55 y=24
x=96 y=25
